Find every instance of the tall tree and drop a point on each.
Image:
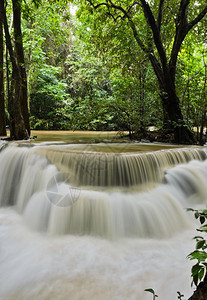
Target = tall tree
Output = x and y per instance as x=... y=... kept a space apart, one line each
x=19 y=129
x=20 y=61
x=2 y=105
x=153 y=18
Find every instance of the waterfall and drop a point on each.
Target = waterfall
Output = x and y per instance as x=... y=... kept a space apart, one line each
x=87 y=222
x=62 y=190
x=116 y=169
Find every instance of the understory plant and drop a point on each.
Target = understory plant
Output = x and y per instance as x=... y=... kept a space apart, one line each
x=152 y=292
x=198 y=271
x=180 y=296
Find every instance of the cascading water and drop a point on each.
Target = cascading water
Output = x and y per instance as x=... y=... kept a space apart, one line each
x=77 y=223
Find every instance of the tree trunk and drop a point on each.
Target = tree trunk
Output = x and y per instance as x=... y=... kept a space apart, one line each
x=173 y=119
x=21 y=62
x=17 y=127
x=204 y=105
x=172 y=114
x=2 y=104
x=20 y=131
x=201 y=291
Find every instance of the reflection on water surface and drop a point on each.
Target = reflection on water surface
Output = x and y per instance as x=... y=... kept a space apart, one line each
x=101 y=140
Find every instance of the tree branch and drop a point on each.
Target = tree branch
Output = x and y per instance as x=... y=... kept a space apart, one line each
x=181 y=32
x=181 y=17
x=119 y=8
x=115 y=18
x=7 y=36
x=98 y=5
x=133 y=4
x=127 y=15
x=182 y=28
x=159 y=18
x=156 y=34
x=197 y=19
x=147 y=50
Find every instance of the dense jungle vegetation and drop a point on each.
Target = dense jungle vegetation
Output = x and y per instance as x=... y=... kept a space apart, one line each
x=103 y=65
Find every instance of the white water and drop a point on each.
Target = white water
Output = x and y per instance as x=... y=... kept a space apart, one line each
x=118 y=241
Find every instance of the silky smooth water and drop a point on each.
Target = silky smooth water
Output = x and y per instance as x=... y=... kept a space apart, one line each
x=81 y=223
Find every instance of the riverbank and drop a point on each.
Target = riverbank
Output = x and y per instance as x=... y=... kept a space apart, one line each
x=68 y=136
x=104 y=141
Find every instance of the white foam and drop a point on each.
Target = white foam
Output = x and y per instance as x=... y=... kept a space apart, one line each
x=38 y=267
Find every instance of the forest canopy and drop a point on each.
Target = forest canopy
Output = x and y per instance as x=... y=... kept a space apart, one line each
x=103 y=65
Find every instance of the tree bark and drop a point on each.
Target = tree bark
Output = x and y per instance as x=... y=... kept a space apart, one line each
x=165 y=71
x=2 y=99
x=17 y=126
x=201 y=291
x=21 y=62
x=172 y=115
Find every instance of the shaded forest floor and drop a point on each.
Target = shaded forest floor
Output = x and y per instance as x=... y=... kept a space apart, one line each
x=153 y=136
x=162 y=136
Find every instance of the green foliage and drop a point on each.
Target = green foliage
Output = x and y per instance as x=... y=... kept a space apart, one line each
x=198 y=271
x=48 y=31
x=47 y=99
x=130 y=92
x=152 y=292
x=180 y=296
x=108 y=30
x=89 y=73
x=46 y=40
x=89 y=86
x=106 y=97
x=191 y=80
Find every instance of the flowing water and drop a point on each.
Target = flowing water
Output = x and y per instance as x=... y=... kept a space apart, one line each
x=97 y=221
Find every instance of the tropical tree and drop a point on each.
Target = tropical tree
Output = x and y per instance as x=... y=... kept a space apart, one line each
x=48 y=99
x=159 y=29
x=47 y=43
x=19 y=50
x=17 y=97
x=2 y=105
x=89 y=86
x=131 y=90
x=191 y=80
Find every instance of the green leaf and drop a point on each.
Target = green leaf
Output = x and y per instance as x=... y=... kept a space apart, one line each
x=200 y=244
x=202 y=219
x=199 y=255
x=195 y=280
x=190 y=209
x=180 y=296
x=198 y=237
x=151 y=291
x=197 y=214
x=203 y=228
x=201 y=273
x=195 y=269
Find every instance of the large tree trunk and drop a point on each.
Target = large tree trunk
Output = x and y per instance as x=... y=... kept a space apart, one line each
x=173 y=121
x=173 y=117
x=18 y=130
x=21 y=62
x=2 y=104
